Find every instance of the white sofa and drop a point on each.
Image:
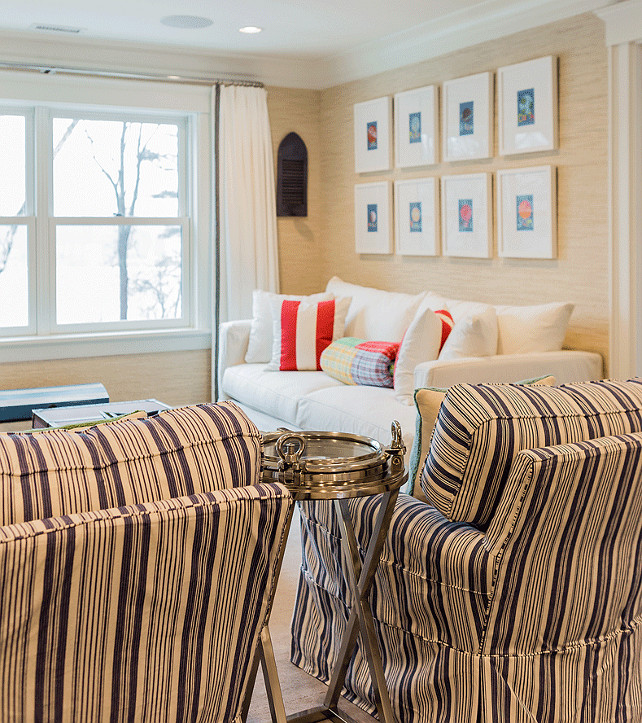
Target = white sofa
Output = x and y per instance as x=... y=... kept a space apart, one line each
x=315 y=401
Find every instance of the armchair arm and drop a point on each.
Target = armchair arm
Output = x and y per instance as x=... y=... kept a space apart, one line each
x=565 y=365
x=233 y=340
x=442 y=568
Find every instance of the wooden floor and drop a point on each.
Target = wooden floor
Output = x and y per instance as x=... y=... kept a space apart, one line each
x=300 y=691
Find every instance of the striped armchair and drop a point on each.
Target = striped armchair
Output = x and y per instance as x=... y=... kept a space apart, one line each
x=137 y=564
x=515 y=594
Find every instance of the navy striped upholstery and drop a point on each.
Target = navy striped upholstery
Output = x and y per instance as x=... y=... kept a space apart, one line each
x=142 y=611
x=176 y=453
x=480 y=429
x=535 y=618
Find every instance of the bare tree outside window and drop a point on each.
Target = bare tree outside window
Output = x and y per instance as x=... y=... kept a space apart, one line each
x=138 y=164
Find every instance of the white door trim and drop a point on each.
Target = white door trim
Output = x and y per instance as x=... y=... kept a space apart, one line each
x=623 y=25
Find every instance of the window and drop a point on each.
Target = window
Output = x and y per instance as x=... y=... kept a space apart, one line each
x=95 y=222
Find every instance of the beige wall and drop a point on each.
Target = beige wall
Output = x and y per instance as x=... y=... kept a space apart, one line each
x=580 y=272
x=300 y=239
x=174 y=378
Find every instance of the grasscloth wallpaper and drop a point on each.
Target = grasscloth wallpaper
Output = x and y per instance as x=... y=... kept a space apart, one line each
x=314 y=248
x=579 y=274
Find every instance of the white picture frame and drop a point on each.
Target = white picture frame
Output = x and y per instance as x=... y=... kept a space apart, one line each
x=527 y=103
x=416 y=127
x=467 y=106
x=373 y=218
x=527 y=213
x=417 y=217
x=372 y=130
x=466 y=215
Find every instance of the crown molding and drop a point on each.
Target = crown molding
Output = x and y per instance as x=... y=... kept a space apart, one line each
x=622 y=22
x=123 y=56
x=487 y=21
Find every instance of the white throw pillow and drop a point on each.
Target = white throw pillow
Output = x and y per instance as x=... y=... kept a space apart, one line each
x=374 y=314
x=259 y=348
x=474 y=335
x=525 y=329
x=464 y=309
x=303 y=331
x=421 y=342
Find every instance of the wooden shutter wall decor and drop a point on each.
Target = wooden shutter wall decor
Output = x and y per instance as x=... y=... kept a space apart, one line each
x=292 y=177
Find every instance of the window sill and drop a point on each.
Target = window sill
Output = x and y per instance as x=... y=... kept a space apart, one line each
x=71 y=346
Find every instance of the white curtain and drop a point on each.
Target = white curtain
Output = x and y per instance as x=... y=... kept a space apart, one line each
x=247 y=201
x=244 y=206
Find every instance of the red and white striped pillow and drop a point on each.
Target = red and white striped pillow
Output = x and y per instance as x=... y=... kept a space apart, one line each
x=447 y=323
x=302 y=331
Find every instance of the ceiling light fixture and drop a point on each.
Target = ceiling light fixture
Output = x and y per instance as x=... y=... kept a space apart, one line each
x=187 y=22
x=250 y=29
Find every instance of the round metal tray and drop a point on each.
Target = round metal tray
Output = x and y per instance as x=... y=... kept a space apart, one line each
x=332 y=465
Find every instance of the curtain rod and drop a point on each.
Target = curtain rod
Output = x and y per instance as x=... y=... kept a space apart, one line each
x=117 y=75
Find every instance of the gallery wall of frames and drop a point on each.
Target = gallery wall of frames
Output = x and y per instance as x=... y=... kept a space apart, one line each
x=453 y=215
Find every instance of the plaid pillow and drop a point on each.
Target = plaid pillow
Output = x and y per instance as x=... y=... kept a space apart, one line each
x=355 y=361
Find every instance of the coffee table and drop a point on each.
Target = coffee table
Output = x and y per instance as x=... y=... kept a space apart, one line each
x=84 y=413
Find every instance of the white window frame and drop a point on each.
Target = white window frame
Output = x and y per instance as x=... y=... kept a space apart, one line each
x=47 y=340
x=47 y=322
x=28 y=220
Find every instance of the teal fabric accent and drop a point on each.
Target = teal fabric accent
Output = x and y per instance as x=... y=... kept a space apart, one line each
x=415 y=452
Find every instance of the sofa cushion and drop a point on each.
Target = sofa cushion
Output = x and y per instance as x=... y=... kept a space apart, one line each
x=368 y=411
x=524 y=329
x=259 y=347
x=375 y=314
x=355 y=361
x=276 y=394
x=302 y=331
x=480 y=429
x=176 y=453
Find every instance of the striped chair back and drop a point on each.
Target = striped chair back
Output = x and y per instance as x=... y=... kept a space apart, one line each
x=481 y=428
x=563 y=635
x=150 y=612
x=176 y=453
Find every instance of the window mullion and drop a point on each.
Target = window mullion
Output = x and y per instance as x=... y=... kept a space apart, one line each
x=45 y=247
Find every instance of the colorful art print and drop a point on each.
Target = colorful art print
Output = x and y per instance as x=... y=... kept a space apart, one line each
x=414 y=128
x=415 y=217
x=466 y=118
x=526 y=107
x=372 y=135
x=466 y=214
x=524 y=211
x=372 y=218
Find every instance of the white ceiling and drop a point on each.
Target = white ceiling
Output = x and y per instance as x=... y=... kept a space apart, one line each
x=306 y=29
x=333 y=41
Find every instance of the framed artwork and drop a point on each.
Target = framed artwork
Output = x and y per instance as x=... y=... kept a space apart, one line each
x=372 y=218
x=416 y=123
x=417 y=217
x=526 y=213
x=466 y=215
x=527 y=94
x=372 y=128
x=468 y=117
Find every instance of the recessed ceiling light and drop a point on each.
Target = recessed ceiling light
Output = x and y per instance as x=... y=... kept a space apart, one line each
x=187 y=22
x=250 y=29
